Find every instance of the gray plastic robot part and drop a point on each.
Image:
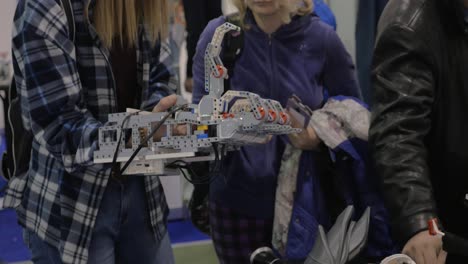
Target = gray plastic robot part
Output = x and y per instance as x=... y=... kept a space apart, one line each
x=343 y=242
x=223 y=121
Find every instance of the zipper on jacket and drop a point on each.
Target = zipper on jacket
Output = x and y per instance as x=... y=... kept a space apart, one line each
x=114 y=87
x=273 y=78
x=91 y=27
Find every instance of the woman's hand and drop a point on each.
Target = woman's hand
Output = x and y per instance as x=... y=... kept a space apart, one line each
x=307 y=139
x=163 y=105
x=424 y=248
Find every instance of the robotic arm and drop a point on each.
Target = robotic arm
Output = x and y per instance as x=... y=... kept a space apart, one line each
x=219 y=123
x=215 y=71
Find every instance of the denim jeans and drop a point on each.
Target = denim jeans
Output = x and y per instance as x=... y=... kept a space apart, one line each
x=122 y=233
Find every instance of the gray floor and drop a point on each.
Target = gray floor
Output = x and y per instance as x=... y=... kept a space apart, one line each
x=189 y=253
x=195 y=253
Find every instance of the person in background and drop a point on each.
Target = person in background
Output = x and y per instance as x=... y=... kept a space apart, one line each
x=286 y=51
x=72 y=210
x=325 y=13
x=419 y=126
x=197 y=15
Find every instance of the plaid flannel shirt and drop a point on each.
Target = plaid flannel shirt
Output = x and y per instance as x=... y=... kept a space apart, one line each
x=67 y=91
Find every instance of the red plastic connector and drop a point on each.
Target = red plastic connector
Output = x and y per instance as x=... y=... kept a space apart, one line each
x=284 y=118
x=271 y=115
x=262 y=113
x=434 y=228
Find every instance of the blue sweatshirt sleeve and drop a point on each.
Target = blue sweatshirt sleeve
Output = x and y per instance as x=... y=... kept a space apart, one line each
x=198 y=67
x=339 y=71
x=325 y=13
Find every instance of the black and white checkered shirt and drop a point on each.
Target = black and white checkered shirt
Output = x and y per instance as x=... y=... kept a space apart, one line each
x=67 y=91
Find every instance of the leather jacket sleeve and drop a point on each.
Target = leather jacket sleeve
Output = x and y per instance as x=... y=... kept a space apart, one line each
x=404 y=93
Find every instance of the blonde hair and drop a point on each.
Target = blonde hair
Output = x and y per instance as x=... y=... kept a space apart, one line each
x=288 y=9
x=118 y=20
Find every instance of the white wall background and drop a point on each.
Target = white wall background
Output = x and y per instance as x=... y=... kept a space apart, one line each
x=7 y=9
x=346 y=15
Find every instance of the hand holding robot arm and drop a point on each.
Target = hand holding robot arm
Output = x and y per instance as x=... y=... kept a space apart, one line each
x=177 y=132
x=164 y=105
x=307 y=139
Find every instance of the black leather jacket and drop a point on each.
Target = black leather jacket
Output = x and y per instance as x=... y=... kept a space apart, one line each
x=419 y=127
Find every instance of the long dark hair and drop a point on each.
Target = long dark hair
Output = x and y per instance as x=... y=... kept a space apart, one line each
x=452 y=83
x=452 y=16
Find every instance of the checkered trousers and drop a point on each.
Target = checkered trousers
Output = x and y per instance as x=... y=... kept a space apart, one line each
x=236 y=236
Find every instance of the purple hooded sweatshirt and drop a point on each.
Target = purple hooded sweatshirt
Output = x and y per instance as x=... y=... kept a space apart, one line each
x=300 y=58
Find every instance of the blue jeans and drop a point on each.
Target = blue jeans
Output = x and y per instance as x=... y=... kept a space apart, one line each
x=122 y=233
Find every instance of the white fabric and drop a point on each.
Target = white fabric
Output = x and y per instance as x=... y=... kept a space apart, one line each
x=285 y=190
x=339 y=120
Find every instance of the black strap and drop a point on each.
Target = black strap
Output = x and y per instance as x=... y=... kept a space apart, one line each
x=67 y=7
